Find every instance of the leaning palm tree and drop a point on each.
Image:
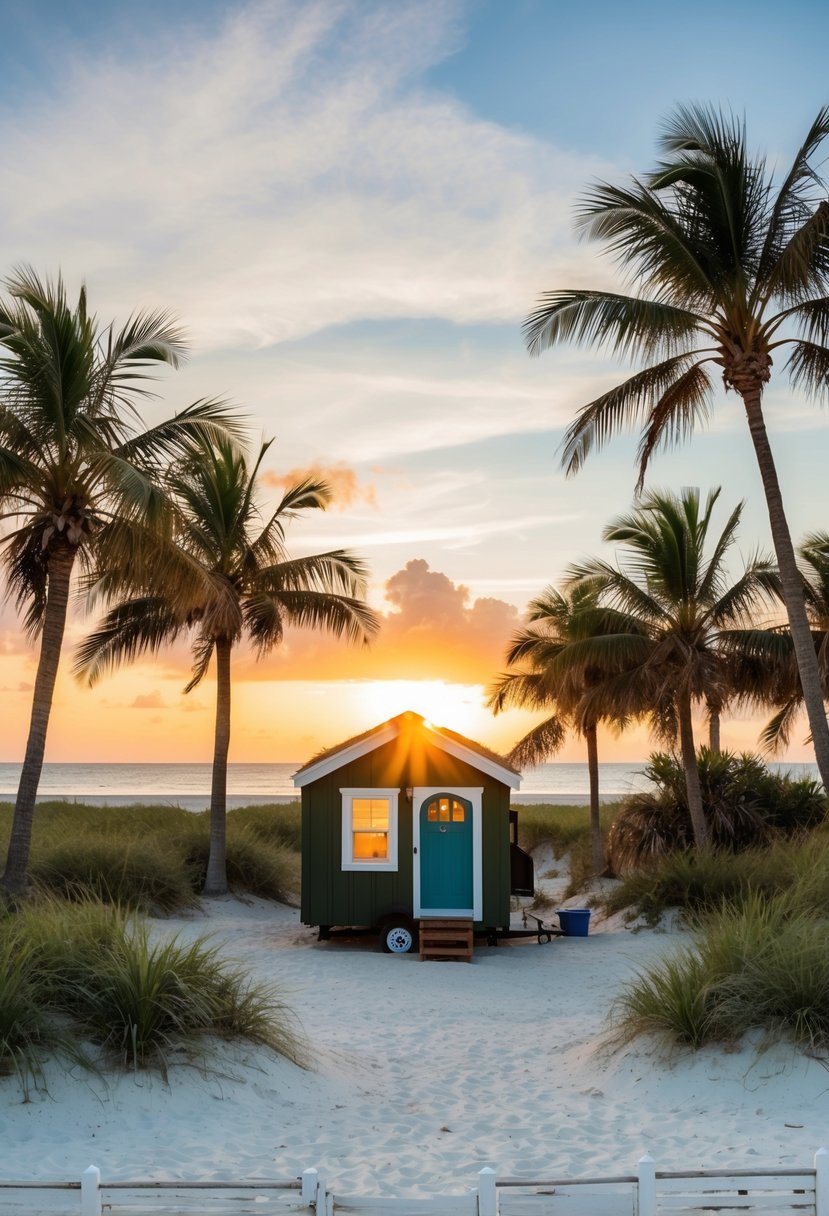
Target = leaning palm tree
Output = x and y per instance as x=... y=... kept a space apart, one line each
x=570 y=645
x=679 y=591
x=731 y=267
x=226 y=576
x=75 y=458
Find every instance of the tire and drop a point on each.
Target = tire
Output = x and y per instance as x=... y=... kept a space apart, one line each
x=398 y=936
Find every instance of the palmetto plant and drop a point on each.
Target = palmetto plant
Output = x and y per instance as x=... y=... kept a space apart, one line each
x=78 y=470
x=226 y=576
x=678 y=589
x=732 y=268
x=570 y=645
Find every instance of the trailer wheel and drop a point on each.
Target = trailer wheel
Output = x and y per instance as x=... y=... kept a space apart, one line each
x=397 y=936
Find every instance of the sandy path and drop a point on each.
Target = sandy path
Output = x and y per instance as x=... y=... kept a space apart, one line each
x=425 y=1072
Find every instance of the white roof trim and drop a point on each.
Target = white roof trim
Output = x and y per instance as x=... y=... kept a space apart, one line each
x=330 y=764
x=483 y=763
x=337 y=759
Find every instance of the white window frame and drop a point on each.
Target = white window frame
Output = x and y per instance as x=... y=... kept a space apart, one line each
x=372 y=866
x=473 y=795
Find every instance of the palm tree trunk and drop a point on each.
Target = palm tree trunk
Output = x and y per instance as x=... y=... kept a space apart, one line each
x=596 y=842
x=714 y=728
x=215 y=882
x=61 y=561
x=791 y=583
x=689 y=763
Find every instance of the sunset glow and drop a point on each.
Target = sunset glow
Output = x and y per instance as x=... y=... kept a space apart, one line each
x=458 y=706
x=358 y=287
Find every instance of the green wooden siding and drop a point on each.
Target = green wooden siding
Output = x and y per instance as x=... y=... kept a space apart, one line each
x=332 y=896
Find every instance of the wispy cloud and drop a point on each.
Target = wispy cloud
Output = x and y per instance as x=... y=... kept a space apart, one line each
x=283 y=172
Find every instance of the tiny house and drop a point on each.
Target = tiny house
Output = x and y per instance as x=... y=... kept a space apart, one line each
x=408 y=823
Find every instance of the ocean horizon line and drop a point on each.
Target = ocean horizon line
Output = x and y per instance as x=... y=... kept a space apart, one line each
x=102 y=783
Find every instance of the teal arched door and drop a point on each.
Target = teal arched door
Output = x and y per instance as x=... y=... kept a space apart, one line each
x=446 y=852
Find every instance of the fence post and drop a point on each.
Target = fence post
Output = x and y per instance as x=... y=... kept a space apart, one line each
x=646 y=1190
x=487 y=1194
x=822 y=1182
x=320 y=1198
x=309 y=1186
x=91 y=1191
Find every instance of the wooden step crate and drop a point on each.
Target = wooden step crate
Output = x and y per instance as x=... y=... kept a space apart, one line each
x=446 y=938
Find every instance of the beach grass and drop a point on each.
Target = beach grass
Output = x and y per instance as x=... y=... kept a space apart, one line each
x=89 y=977
x=154 y=858
x=762 y=963
x=698 y=882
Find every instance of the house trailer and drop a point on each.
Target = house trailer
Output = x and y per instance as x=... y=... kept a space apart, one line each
x=408 y=824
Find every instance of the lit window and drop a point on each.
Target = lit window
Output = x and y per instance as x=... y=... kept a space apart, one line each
x=442 y=810
x=369 y=836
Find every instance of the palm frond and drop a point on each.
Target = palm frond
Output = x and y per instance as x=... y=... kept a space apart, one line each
x=340 y=615
x=136 y=627
x=684 y=404
x=539 y=744
x=620 y=408
x=625 y=325
x=808 y=367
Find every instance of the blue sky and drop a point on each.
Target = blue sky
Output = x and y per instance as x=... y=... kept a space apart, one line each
x=352 y=205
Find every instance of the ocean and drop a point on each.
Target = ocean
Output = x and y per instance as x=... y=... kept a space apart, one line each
x=188 y=785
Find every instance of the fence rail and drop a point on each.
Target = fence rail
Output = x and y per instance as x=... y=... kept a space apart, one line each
x=648 y=1192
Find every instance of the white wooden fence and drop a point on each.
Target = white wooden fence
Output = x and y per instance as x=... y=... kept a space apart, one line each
x=648 y=1192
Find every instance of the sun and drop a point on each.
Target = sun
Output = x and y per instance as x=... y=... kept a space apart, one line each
x=458 y=706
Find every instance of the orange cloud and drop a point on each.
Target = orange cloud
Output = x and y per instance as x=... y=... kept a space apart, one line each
x=149 y=700
x=432 y=630
x=345 y=484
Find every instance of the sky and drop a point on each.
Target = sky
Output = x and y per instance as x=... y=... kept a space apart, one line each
x=351 y=206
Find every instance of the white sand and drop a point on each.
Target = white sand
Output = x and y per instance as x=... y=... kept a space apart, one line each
x=425 y=1072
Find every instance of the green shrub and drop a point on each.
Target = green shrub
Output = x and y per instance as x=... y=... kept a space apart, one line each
x=745 y=805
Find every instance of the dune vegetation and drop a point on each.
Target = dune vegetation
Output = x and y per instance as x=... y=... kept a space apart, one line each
x=87 y=980
x=154 y=858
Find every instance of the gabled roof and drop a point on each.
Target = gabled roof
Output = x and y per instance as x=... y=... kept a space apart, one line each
x=449 y=741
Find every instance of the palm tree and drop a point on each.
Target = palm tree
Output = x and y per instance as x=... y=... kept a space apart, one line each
x=74 y=459
x=731 y=266
x=569 y=646
x=770 y=672
x=226 y=576
x=685 y=603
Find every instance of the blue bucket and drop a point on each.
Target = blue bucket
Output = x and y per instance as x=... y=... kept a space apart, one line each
x=574 y=921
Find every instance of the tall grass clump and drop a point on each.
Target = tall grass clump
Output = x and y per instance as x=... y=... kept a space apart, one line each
x=145 y=1001
x=762 y=964
x=96 y=970
x=26 y=1032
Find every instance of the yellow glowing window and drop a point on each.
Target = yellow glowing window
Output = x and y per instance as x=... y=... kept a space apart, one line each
x=370 y=828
